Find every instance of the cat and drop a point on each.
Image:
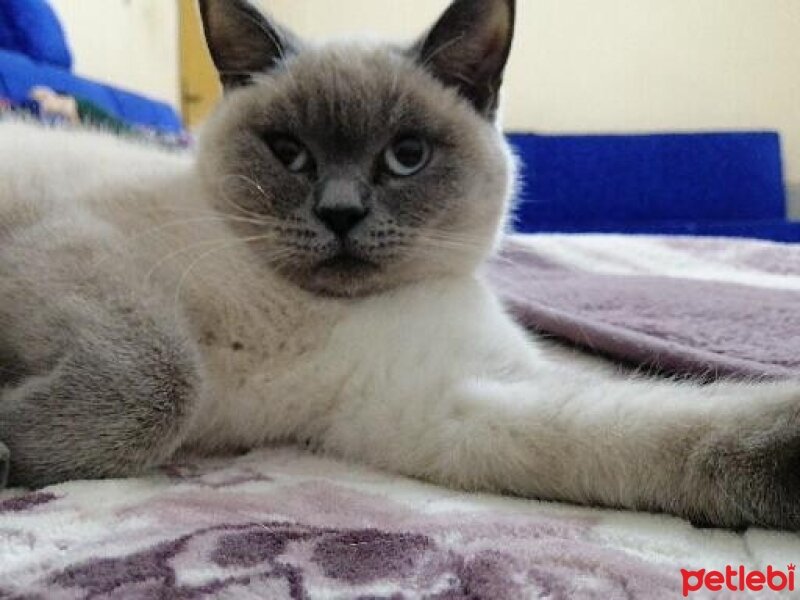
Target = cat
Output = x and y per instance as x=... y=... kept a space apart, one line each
x=313 y=275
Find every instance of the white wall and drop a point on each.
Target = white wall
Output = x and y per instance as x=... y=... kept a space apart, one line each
x=794 y=201
x=622 y=65
x=578 y=66
x=129 y=43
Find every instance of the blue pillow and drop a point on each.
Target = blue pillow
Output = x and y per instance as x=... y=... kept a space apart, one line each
x=18 y=74
x=32 y=28
x=8 y=36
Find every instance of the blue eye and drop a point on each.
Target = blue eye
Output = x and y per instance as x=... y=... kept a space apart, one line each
x=407 y=156
x=291 y=153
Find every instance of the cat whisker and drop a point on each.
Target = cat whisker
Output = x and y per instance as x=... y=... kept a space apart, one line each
x=260 y=220
x=165 y=259
x=235 y=205
x=441 y=242
x=219 y=247
x=129 y=241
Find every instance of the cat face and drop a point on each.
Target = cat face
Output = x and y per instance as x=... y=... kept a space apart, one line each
x=352 y=168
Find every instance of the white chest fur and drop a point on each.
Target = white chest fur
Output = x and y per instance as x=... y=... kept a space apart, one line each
x=261 y=367
x=277 y=375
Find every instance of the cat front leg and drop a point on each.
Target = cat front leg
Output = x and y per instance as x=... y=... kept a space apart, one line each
x=723 y=455
x=450 y=390
x=115 y=405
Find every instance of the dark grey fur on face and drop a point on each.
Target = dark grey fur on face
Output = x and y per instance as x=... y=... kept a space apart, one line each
x=370 y=165
x=245 y=43
x=469 y=47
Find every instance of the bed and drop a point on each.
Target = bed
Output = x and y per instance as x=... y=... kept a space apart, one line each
x=284 y=523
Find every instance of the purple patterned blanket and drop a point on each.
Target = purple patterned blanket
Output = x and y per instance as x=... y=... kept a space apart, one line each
x=279 y=523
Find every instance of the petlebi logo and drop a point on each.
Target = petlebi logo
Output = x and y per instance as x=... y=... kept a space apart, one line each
x=738 y=580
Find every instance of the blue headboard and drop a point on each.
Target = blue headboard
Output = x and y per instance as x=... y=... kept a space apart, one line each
x=649 y=182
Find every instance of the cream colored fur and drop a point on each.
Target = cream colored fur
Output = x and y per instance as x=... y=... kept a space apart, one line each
x=154 y=303
x=431 y=380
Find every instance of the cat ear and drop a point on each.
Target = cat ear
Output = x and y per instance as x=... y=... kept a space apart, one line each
x=469 y=47
x=242 y=40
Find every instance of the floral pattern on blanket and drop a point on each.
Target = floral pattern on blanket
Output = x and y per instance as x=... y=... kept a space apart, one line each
x=282 y=524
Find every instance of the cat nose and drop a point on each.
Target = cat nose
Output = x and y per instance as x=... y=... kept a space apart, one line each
x=341 y=220
x=341 y=204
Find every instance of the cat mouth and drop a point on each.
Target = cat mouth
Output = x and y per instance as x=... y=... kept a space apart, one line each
x=346 y=262
x=345 y=275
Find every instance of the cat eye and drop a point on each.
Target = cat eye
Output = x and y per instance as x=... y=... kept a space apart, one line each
x=291 y=153
x=407 y=156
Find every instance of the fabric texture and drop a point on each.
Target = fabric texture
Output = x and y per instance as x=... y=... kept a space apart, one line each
x=282 y=523
x=31 y=27
x=712 y=184
x=683 y=306
x=19 y=75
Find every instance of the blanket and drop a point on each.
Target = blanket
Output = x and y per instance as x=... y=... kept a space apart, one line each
x=282 y=523
x=703 y=307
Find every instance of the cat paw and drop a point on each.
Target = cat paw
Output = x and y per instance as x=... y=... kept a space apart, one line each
x=5 y=465
x=751 y=478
